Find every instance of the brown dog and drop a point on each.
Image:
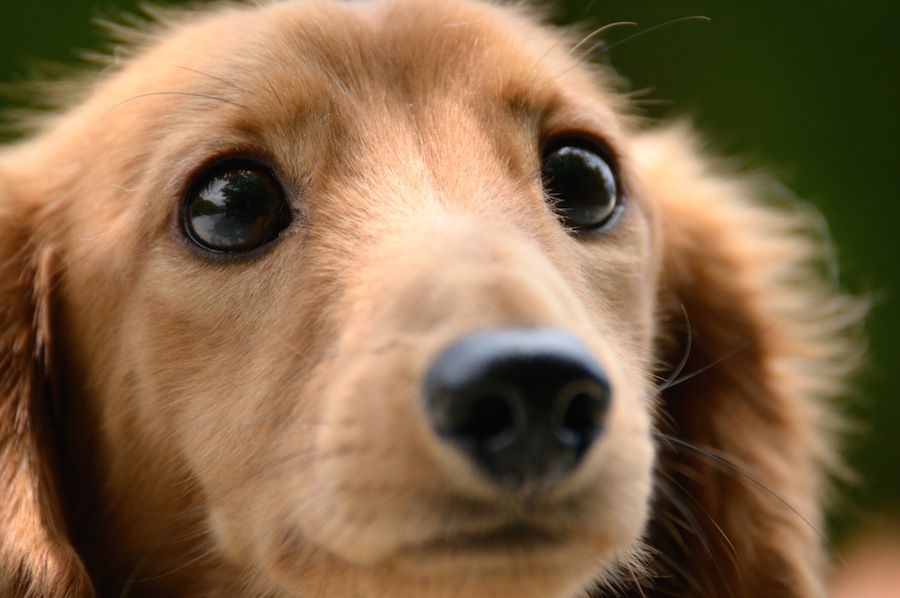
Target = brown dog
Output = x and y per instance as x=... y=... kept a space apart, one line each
x=394 y=298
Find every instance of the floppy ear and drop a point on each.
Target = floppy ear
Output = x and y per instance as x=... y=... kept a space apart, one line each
x=36 y=559
x=747 y=427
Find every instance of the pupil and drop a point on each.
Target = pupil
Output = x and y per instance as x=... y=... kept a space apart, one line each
x=583 y=185
x=235 y=211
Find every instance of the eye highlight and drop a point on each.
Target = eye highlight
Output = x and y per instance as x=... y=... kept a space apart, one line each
x=235 y=207
x=581 y=181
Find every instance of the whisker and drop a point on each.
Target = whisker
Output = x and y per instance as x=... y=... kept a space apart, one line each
x=172 y=93
x=213 y=77
x=725 y=465
x=718 y=361
x=685 y=356
x=595 y=33
x=186 y=559
x=654 y=28
x=692 y=523
x=273 y=89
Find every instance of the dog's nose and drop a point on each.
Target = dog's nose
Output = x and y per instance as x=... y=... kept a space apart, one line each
x=524 y=404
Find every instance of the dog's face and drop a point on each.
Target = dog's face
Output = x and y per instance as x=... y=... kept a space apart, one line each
x=380 y=196
x=374 y=298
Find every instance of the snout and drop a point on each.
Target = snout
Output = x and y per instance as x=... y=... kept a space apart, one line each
x=496 y=426
x=523 y=404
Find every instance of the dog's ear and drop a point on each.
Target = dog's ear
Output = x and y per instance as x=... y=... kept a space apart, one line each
x=747 y=426
x=36 y=558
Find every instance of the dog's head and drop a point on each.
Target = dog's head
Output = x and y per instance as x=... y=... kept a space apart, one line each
x=382 y=297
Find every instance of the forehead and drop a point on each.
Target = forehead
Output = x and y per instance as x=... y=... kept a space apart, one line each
x=323 y=56
x=327 y=89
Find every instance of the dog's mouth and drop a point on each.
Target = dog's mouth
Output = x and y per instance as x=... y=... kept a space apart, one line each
x=518 y=550
x=508 y=540
x=512 y=535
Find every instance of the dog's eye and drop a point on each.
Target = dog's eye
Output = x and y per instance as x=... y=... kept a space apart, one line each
x=235 y=207
x=581 y=182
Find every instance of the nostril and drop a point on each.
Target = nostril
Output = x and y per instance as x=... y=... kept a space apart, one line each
x=492 y=420
x=578 y=414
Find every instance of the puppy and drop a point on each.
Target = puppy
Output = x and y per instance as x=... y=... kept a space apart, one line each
x=396 y=298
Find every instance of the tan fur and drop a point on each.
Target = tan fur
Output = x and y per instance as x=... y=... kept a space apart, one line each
x=176 y=426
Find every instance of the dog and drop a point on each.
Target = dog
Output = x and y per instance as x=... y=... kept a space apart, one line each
x=396 y=298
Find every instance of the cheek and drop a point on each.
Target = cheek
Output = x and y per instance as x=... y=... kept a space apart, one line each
x=211 y=352
x=618 y=286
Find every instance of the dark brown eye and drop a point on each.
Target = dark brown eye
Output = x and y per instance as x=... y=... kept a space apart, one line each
x=235 y=207
x=581 y=182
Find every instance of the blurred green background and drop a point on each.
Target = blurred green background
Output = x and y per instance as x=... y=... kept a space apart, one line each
x=808 y=87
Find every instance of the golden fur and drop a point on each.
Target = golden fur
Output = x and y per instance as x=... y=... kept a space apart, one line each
x=177 y=425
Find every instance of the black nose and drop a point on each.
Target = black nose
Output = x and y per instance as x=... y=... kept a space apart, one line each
x=524 y=404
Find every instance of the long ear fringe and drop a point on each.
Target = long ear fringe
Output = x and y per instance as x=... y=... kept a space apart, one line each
x=36 y=559
x=748 y=434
